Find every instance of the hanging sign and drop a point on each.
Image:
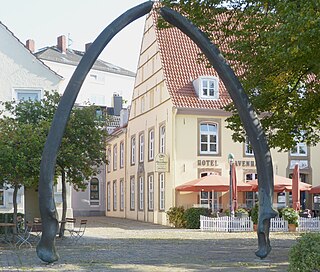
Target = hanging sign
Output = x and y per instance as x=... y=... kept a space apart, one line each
x=162 y=163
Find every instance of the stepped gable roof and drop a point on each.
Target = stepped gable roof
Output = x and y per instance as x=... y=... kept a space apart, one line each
x=181 y=65
x=73 y=57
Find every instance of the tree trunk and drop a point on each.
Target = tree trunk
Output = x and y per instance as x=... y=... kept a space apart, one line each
x=15 y=207
x=64 y=204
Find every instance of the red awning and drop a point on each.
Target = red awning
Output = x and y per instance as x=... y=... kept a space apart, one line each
x=213 y=182
x=315 y=190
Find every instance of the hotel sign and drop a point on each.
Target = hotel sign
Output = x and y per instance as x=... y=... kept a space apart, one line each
x=239 y=163
x=162 y=163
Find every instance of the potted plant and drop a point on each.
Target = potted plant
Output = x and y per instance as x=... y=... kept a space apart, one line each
x=241 y=212
x=254 y=214
x=291 y=216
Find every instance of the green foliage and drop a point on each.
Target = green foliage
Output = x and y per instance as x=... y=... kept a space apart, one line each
x=192 y=217
x=241 y=212
x=274 y=48
x=254 y=213
x=176 y=217
x=290 y=215
x=304 y=256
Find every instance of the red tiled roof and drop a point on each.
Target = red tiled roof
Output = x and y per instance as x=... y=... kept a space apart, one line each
x=180 y=62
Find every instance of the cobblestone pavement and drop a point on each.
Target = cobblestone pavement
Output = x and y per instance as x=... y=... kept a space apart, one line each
x=112 y=244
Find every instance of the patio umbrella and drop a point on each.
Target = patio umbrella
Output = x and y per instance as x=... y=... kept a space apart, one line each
x=296 y=188
x=234 y=187
x=209 y=183
x=281 y=184
x=315 y=190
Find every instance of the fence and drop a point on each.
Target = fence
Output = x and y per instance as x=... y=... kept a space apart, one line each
x=278 y=224
x=226 y=224
x=309 y=224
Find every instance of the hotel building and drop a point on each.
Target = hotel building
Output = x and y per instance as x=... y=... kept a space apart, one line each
x=176 y=132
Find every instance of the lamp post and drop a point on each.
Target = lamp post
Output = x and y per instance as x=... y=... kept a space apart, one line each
x=230 y=160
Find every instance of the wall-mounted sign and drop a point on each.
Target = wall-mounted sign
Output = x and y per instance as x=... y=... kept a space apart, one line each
x=245 y=163
x=207 y=163
x=162 y=163
x=239 y=163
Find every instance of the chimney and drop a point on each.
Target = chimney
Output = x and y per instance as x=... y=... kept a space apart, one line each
x=62 y=44
x=117 y=104
x=124 y=117
x=87 y=46
x=30 y=45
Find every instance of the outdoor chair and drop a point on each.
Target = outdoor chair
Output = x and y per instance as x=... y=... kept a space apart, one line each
x=36 y=227
x=76 y=234
x=70 y=223
x=23 y=233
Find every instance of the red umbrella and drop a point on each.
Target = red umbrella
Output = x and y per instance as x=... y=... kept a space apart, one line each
x=234 y=187
x=212 y=182
x=281 y=184
x=296 y=188
x=315 y=190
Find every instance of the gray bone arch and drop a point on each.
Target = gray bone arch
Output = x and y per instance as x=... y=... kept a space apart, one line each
x=46 y=250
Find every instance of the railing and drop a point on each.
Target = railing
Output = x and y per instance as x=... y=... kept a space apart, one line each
x=226 y=224
x=309 y=224
x=278 y=224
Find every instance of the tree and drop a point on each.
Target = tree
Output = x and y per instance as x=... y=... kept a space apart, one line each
x=83 y=146
x=273 y=45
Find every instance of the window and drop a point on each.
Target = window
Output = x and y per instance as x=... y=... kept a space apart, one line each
x=248 y=148
x=141 y=195
x=207 y=87
x=115 y=195
x=121 y=155
x=251 y=197
x=109 y=160
x=141 y=148
x=299 y=150
x=1 y=195
x=142 y=104
x=121 y=195
x=133 y=150
x=94 y=191
x=162 y=146
x=151 y=145
x=132 y=193
x=208 y=138
x=161 y=191
x=108 y=196
x=150 y=193
x=115 y=157
x=27 y=94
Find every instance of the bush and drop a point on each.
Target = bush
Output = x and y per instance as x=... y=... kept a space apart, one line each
x=254 y=213
x=176 y=217
x=305 y=254
x=192 y=217
x=241 y=212
x=290 y=215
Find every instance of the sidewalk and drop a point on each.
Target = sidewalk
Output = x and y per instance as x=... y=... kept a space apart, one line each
x=112 y=244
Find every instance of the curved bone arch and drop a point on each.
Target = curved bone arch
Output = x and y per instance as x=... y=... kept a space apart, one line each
x=46 y=250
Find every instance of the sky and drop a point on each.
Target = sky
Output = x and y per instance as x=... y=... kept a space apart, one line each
x=80 y=20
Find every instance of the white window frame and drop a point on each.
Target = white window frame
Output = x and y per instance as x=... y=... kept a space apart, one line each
x=109 y=160
x=121 y=154
x=133 y=150
x=248 y=151
x=2 y=191
x=299 y=147
x=94 y=202
x=141 y=147
x=208 y=134
x=121 y=195
x=162 y=139
x=132 y=193
x=115 y=203
x=150 y=192
x=161 y=192
x=17 y=91
x=207 y=87
x=141 y=193
x=109 y=196
x=115 y=157
x=151 y=144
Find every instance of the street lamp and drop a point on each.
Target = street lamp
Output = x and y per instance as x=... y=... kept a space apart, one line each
x=230 y=160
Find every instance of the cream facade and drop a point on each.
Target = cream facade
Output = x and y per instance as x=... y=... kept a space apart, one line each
x=177 y=132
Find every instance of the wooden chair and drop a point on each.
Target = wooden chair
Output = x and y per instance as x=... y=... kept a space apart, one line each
x=70 y=223
x=76 y=234
x=23 y=233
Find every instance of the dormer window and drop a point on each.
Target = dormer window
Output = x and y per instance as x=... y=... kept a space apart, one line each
x=207 y=87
